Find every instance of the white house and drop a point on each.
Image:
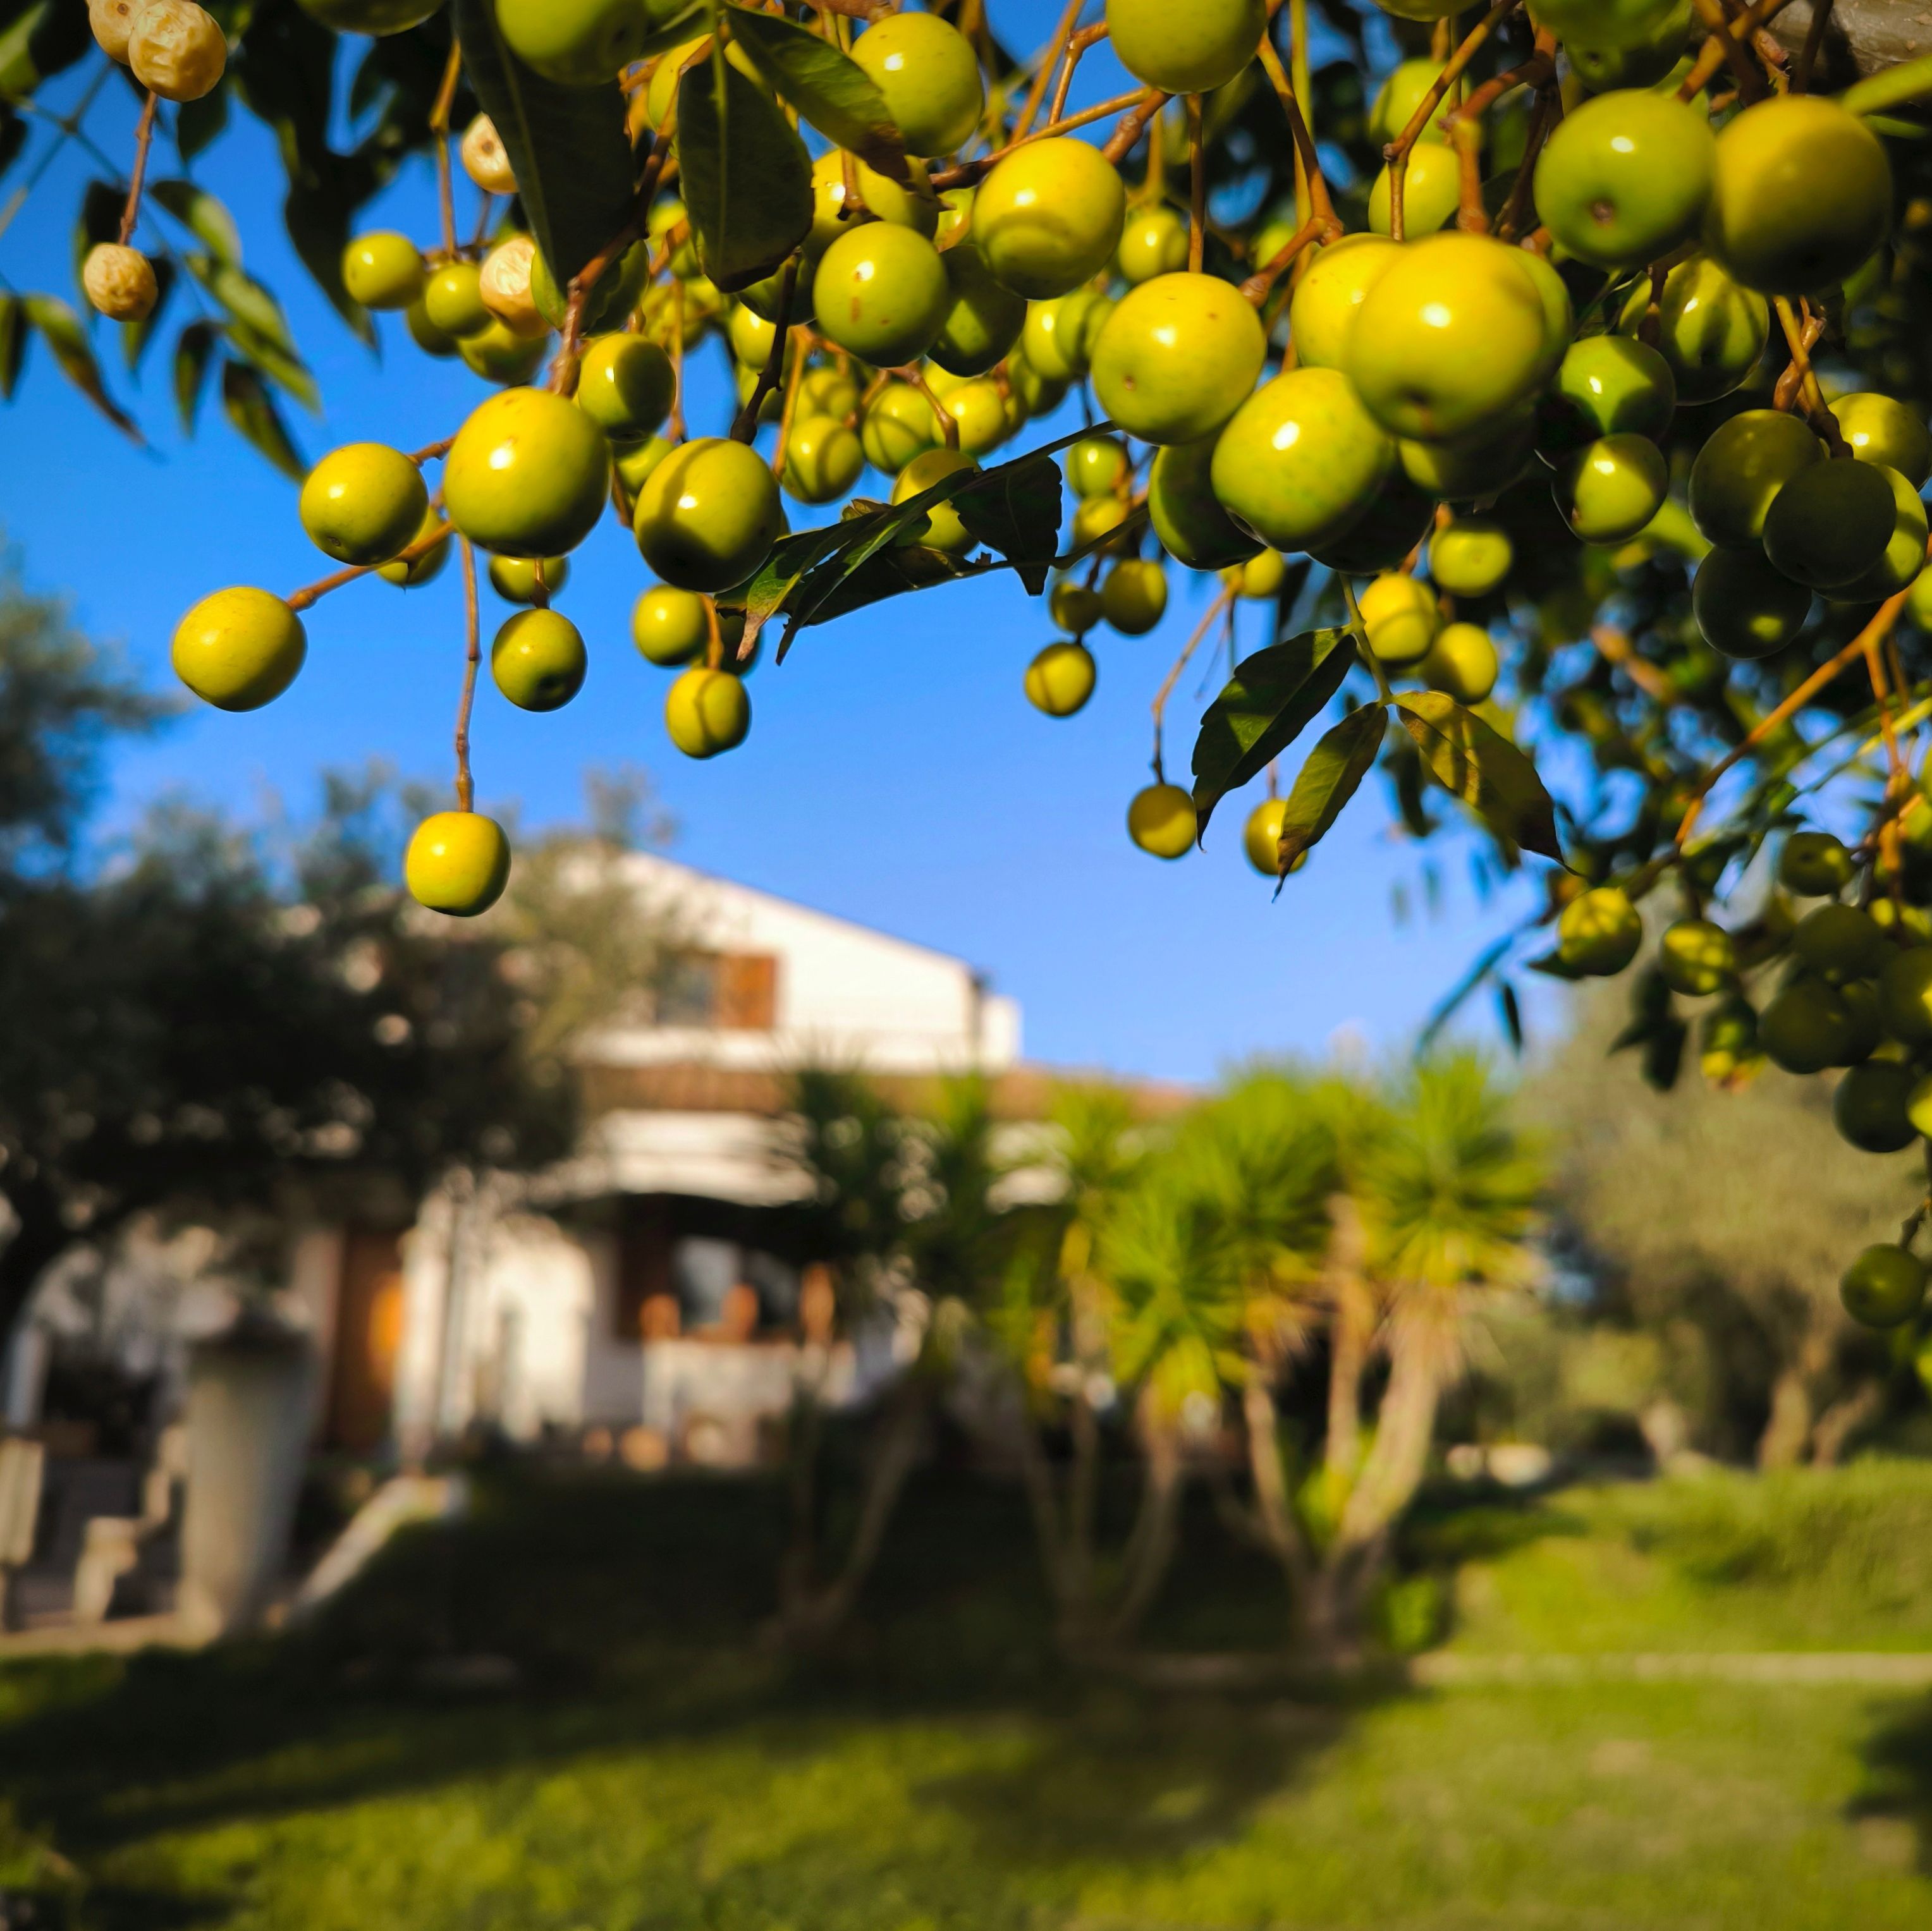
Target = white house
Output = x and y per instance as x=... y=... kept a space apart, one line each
x=652 y=1295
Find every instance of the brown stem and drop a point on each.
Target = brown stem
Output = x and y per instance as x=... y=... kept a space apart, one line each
x=311 y=593
x=674 y=426
x=1261 y=284
x=949 y=423
x=1222 y=602
x=1751 y=84
x=1197 y=198
x=1120 y=142
x=1036 y=93
x=794 y=383
x=1798 y=337
x=772 y=373
x=1397 y=151
x=1548 y=111
x=144 y=139
x=473 y=655
x=439 y=126
x=968 y=174
x=1319 y=203
x=430 y=452
x=1883 y=619
x=1814 y=41
x=1080 y=42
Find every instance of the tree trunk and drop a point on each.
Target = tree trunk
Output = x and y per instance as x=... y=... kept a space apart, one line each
x=1787 y=1432
x=39 y=1240
x=1842 y=1420
x=1149 y=1550
x=1277 y=1528
x=1867 y=34
x=1349 y=1338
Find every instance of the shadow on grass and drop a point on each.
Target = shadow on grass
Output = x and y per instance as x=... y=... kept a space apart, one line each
x=1897 y=1759
x=608 y=1613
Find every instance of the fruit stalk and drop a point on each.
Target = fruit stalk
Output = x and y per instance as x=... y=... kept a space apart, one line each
x=1087 y=37
x=466 y=787
x=310 y=594
x=970 y=174
x=439 y=126
x=1223 y=602
x=144 y=139
x=772 y=373
x=1799 y=338
x=1197 y=195
x=1261 y=284
x=1752 y=85
x=1120 y=142
x=1321 y=208
x=1036 y=93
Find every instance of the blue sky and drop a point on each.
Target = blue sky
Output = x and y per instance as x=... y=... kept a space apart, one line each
x=895 y=774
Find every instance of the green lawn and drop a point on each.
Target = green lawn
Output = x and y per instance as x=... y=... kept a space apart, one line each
x=651 y=1768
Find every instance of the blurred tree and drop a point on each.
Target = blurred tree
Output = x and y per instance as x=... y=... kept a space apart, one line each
x=1731 y=1211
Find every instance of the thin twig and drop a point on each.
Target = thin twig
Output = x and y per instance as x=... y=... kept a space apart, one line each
x=1751 y=83
x=1036 y=93
x=310 y=594
x=746 y=426
x=439 y=126
x=1197 y=195
x=1221 y=602
x=1306 y=152
x=1080 y=42
x=1397 y=151
x=144 y=139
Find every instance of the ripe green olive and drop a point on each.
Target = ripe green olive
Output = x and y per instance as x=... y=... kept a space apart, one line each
x=1301 y=460
x=899 y=422
x=424 y=333
x=1711 y=330
x=1606 y=52
x=625 y=385
x=1814 y=864
x=363 y=502
x=708 y=514
x=1382 y=537
x=1193 y=48
x=1096 y=465
x=634 y=461
x=1807 y=1027
x=907 y=204
x=1187 y=517
x=615 y=293
x=1598 y=932
x=1134 y=597
x=929 y=74
x=421 y=569
x=1153 y=243
x=1884 y=1287
x=983 y=320
x=1881 y=429
x=1476 y=468
x=537 y=659
x=1610 y=490
x=1801 y=195
x=1744 y=607
x=383 y=270
x=458 y=862
x=1177 y=358
x=239 y=648
x=1737 y=474
x=1471 y=557
x=1872 y=1106
x=1452 y=336
x=1321 y=316
x=1840 y=942
x=1401 y=619
x=1607 y=385
x=1261 y=838
x=520 y=580
x=669 y=626
x=823 y=460
x=1073 y=606
x=1260 y=578
x=576 y=42
x=943 y=529
x=981 y=413
x=499 y=354
x=1905 y=997
x=1059 y=336
x=1697 y=957
x=1625 y=179
x=453 y=300
x=527 y=475
x=881 y=292
x=1401 y=93
x=1432 y=190
x=1462 y=663
x=706 y=712
x=1904 y=557
x=1161 y=820
x=1060 y=678
x=1049 y=217
x=1831 y=523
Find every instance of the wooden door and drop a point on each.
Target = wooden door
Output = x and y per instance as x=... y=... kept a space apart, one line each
x=368 y=1336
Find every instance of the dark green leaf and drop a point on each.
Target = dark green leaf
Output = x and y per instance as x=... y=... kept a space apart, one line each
x=14 y=333
x=99 y=221
x=893 y=572
x=1511 y=1015
x=243 y=298
x=318 y=224
x=567 y=145
x=1461 y=990
x=746 y=175
x=194 y=347
x=198 y=123
x=1016 y=510
x=61 y=329
x=41 y=41
x=1273 y=696
x=1476 y=763
x=829 y=87
x=252 y=410
x=1332 y=776
x=1663 y=1054
x=135 y=336
x=793 y=558
x=12 y=136
x=203 y=216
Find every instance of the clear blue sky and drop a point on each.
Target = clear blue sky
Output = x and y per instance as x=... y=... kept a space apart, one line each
x=895 y=774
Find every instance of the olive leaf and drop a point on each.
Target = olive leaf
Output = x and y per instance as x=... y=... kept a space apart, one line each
x=135 y=336
x=828 y=87
x=1016 y=509
x=747 y=177
x=199 y=123
x=1273 y=696
x=1332 y=776
x=14 y=330
x=98 y=220
x=61 y=329
x=205 y=217
x=41 y=41
x=567 y=145
x=194 y=353
x=1474 y=761
x=250 y=407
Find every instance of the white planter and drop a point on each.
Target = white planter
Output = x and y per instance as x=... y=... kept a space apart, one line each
x=250 y=1394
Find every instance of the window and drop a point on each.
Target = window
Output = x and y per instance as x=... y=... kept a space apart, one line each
x=736 y=991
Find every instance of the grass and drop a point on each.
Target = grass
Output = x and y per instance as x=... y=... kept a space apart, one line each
x=652 y=1767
